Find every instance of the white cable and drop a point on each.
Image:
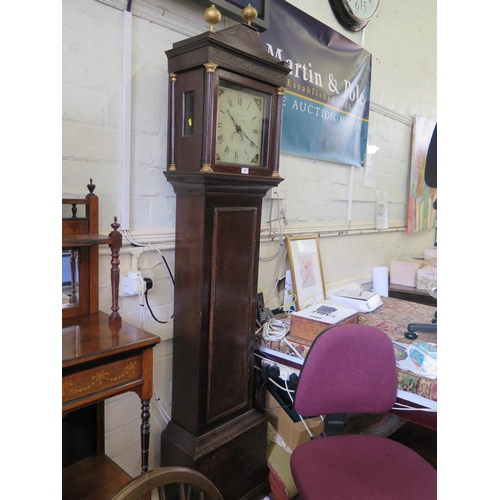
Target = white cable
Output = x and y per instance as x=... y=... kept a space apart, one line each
x=280 y=248
x=278 y=385
x=163 y=412
x=293 y=349
x=141 y=307
x=274 y=330
x=404 y=407
x=300 y=416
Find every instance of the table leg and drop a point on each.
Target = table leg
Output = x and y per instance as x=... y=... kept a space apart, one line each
x=145 y=434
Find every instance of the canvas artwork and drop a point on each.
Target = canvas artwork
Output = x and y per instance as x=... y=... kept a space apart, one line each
x=421 y=213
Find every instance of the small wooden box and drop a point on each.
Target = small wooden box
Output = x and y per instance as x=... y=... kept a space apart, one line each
x=309 y=329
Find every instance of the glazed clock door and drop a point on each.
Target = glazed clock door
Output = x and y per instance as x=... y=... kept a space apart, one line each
x=232 y=292
x=241 y=123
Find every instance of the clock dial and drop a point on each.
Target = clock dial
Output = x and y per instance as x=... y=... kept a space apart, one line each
x=363 y=9
x=240 y=122
x=354 y=14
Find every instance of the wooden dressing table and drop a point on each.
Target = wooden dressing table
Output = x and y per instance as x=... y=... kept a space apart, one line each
x=102 y=356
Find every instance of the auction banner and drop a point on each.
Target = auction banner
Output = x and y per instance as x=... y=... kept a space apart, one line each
x=327 y=95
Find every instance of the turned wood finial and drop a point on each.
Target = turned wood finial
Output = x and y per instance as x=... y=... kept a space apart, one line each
x=115 y=224
x=212 y=16
x=249 y=13
x=91 y=187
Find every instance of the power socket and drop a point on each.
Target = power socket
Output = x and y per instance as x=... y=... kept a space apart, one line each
x=149 y=273
x=131 y=284
x=269 y=368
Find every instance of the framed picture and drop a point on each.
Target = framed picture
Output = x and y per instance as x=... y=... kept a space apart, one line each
x=233 y=8
x=307 y=273
x=421 y=212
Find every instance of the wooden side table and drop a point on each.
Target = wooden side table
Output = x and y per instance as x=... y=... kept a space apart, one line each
x=102 y=356
x=101 y=360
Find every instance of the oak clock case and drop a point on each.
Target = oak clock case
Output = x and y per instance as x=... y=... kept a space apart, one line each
x=354 y=14
x=224 y=131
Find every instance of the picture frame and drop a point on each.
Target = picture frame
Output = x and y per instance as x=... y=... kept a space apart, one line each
x=232 y=9
x=307 y=271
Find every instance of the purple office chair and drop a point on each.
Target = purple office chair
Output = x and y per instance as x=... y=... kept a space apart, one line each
x=352 y=369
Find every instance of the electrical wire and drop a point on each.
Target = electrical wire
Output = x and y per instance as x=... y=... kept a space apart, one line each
x=300 y=416
x=281 y=247
x=141 y=305
x=304 y=304
x=164 y=414
x=275 y=330
x=275 y=383
x=145 y=294
x=149 y=246
x=404 y=407
x=151 y=311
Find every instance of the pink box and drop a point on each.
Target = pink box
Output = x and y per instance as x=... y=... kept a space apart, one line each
x=404 y=272
x=430 y=257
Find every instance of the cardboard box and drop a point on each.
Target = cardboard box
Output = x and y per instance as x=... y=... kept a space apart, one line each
x=427 y=278
x=404 y=272
x=293 y=433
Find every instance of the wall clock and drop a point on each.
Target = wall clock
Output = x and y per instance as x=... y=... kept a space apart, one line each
x=354 y=14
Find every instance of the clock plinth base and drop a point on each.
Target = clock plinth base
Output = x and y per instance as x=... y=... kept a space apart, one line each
x=232 y=456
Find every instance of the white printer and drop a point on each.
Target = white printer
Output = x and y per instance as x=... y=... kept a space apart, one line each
x=354 y=296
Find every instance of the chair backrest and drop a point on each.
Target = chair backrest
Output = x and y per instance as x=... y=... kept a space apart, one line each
x=348 y=369
x=191 y=484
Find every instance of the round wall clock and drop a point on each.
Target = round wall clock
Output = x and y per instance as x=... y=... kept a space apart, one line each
x=354 y=14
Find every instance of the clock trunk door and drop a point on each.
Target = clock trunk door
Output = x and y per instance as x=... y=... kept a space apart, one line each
x=232 y=290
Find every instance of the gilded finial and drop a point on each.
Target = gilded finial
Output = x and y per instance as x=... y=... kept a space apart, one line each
x=212 y=16
x=249 y=13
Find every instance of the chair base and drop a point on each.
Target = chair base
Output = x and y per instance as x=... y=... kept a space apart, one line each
x=361 y=467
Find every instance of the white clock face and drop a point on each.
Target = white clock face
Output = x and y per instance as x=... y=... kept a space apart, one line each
x=362 y=9
x=240 y=121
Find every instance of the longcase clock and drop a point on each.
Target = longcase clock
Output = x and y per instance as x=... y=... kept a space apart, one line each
x=225 y=109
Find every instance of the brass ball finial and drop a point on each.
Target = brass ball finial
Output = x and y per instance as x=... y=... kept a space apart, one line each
x=212 y=16
x=249 y=13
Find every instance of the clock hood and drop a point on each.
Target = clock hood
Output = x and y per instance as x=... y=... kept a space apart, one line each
x=231 y=48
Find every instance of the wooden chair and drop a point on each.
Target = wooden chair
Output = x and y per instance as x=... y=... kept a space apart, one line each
x=191 y=485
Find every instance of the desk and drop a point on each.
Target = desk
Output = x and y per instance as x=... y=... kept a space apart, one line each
x=412 y=294
x=392 y=317
x=101 y=360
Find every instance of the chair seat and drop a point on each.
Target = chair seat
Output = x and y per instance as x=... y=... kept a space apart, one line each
x=353 y=467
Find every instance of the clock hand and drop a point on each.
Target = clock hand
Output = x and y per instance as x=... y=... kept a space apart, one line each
x=238 y=128
x=245 y=135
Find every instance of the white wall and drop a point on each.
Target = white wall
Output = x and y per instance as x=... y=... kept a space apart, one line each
x=402 y=40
